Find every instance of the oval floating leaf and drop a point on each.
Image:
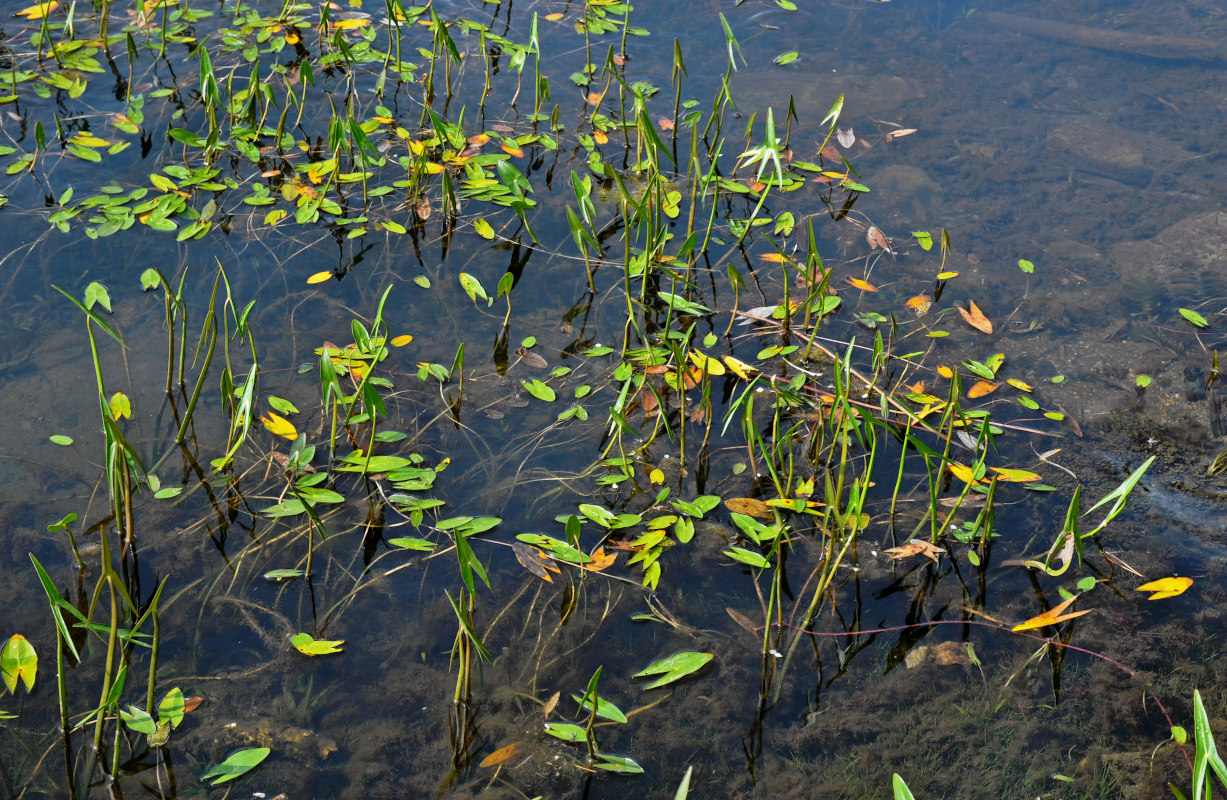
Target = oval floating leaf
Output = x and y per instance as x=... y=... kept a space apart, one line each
x=60 y=439
x=674 y=668
x=539 y=390
x=306 y=644
x=279 y=426
x=237 y=764
x=319 y=277
x=18 y=661
x=483 y=228
x=1194 y=318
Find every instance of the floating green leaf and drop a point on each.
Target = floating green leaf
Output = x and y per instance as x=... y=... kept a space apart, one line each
x=539 y=390
x=308 y=645
x=604 y=708
x=236 y=764
x=18 y=661
x=674 y=668
x=1194 y=318
x=786 y=58
x=566 y=731
x=60 y=439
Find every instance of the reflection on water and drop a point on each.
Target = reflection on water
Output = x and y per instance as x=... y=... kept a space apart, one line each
x=1100 y=165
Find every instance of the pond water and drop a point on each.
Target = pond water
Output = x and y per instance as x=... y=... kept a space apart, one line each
x=1072 y=156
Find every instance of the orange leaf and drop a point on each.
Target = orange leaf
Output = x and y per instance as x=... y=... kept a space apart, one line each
x=774 y=258
x=600 y=561
x=975 y=318
x=500 y=755
x=920 y=304
x=981 y=388
x=554 y=17
x=1051 y=617
x=600 y=137
x=864 y=286
x=190 y=704
x=594 y=98
x=665 y=124
x=513 y=150
x=945 y=372
x=1166 y=587
x=748 y=506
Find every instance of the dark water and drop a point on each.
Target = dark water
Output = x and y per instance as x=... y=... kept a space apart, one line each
x=1099 y=165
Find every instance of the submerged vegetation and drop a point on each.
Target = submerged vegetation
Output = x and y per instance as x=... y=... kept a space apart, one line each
x=685 y=407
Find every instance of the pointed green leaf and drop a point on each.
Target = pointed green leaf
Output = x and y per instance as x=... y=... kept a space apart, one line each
x=236 y=764
x=674 y=668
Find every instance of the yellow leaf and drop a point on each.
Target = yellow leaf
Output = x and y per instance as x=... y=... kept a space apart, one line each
x=1166 y=587
x=120 y=406
x=965 y=474
x=945 y=372
x=1021 y=386
x=864 y=286
x=292 y=38
x=349 y=24
x=1015 y=475
x=739 y=368
x=38 y=10
x=774 y=258
x=433 y=168
x=86 y=140
x=319 y=277
x=981 y=388
x=600 y=137
x=704 y=361
x=280 y=426
x=553 y=17
x=945 y=276
x=402 y=340
x=1051 y=617
x=656 y=476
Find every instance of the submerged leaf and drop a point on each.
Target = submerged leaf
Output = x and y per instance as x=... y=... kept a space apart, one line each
x=500 y=755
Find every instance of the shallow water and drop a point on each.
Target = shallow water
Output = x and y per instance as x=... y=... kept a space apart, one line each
x=1073 y=157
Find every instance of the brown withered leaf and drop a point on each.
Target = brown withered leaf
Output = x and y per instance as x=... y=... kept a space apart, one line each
x=877 y=239
x=531 y=359
x=915 y=547
x=744 y=621
x=535 y=561
x=190 y=704
x=892 y=135
x=946 y=654
x=974 y=317
x=748 y=506
x=500 y=755
x=551 y=704
x=423 y=208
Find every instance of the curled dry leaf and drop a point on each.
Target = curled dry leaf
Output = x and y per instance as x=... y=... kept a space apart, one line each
x=974 y=317
x=915 y=547
x=845 y=137
x=890 y=137
x=877 y=239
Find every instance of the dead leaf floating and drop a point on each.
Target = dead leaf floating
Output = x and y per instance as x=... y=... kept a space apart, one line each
x=845 y=136
x=915 y=547
x=877 y=239
x=892 y=135
x=974 y=317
